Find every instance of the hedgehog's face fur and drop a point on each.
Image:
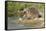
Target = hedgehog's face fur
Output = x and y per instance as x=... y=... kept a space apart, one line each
x=31 y=13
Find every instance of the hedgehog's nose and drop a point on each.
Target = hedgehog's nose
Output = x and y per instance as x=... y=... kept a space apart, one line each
x=39 y=16
x=28 y=18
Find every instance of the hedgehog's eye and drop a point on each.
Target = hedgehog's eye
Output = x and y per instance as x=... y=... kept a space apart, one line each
x=39 y=16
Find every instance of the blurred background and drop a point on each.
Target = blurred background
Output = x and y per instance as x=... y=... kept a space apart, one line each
x=14 y=7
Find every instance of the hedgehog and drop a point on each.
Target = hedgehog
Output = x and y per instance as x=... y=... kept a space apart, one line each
x=31 y=13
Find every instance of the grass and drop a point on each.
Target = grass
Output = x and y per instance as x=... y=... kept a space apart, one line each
x=14 y=7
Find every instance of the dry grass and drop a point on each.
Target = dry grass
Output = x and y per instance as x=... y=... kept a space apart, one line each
x=37 y=22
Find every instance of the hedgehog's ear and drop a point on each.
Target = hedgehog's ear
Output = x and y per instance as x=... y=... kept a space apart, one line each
x=24 y=12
